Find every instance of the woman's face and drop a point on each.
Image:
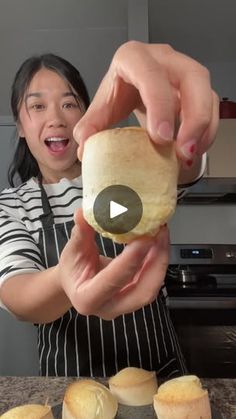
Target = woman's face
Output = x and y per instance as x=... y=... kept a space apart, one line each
x=47 y=116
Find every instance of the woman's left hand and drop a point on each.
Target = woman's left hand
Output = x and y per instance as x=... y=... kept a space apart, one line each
x=97 y=285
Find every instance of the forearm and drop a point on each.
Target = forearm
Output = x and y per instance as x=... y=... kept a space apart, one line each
x=35 y=297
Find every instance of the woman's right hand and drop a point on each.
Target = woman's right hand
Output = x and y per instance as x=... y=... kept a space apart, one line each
x=97 y=285
x=162 y=86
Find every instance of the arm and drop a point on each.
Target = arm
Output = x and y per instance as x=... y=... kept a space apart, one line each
x=35 y=297
x=27 y=289
x=92 y=284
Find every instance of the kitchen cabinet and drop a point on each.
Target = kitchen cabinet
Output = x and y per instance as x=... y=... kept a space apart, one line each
x=221 y=160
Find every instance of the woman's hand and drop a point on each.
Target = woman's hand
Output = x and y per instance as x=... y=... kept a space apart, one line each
x=164 y=88
x=97 y=285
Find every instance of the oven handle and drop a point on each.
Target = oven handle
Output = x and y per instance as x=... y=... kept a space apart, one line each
x=203 y=303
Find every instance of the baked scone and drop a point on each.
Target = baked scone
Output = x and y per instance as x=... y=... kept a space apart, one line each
x=182 y=398
x=134 y=386
x=28 y=411
x=88 y=399
x=127 y=156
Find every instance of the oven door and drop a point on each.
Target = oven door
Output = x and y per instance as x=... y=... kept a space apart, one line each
x=208 y=339
x=204 y=316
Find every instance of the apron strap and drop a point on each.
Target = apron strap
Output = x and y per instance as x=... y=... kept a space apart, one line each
x=47 y=216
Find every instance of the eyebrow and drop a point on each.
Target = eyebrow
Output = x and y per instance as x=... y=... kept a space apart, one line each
x=38 y=94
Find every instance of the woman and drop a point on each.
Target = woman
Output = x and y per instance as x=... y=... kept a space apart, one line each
x=39 y=285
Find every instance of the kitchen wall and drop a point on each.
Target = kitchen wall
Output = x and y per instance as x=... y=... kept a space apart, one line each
x=204 y=224
x=205 y=30
x=85 y=32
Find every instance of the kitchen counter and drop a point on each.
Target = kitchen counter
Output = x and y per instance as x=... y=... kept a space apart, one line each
x=21 y=390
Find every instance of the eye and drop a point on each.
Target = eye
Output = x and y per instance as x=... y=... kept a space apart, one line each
x=37 y=107
x=70 y=105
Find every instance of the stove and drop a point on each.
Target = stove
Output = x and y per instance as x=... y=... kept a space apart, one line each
x=202 y=276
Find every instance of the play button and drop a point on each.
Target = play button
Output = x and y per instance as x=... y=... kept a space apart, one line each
x=117 y=209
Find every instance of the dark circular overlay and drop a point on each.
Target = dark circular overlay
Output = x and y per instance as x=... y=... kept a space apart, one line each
x=113 y=197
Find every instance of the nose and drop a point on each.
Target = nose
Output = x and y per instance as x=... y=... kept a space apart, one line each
x=55 y=117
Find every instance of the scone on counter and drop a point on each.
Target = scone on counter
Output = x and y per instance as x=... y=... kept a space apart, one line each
x=134 y=386
x=29 y=411
x=88 y=399
x=182 y=398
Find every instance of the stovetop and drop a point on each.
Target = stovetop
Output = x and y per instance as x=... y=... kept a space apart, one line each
x=202 y=275
x=207 y=293
x=204 y=286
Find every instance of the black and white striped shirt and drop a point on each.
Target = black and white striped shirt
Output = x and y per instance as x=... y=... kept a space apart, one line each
x=20 y=211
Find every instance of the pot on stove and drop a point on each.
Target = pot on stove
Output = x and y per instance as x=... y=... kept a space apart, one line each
x=186 y=276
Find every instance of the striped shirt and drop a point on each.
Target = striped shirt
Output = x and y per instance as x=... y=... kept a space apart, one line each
x=20 y=211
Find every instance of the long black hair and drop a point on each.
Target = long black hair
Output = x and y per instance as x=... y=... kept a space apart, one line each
x=24 y=165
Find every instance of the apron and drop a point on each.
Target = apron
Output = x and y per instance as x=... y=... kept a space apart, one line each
x=78 y=345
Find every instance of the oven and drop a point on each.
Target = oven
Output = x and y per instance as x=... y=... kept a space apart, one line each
x=201 y=284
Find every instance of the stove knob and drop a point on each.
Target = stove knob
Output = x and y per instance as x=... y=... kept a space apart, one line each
x=230 y=254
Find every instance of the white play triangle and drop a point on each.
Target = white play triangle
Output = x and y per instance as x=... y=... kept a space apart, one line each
x=116 y=209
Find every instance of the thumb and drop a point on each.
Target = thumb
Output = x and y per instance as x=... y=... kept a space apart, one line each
x=97 y=117
x=114 y=101
x=81 y=231
x=83 y=130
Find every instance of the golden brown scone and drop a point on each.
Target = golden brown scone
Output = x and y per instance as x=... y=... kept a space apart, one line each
x=88 y=399
x=134 y=386
x=182 y=398
x=127 y=156
x=29 y=411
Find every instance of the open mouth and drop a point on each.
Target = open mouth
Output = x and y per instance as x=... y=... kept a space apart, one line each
x=56 y=144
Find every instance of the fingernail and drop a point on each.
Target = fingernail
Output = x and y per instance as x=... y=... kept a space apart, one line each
x=162 y=237
x=189 y=163
x=189 y=149
x=80 y=152
x=76 y=134
x=165 y=131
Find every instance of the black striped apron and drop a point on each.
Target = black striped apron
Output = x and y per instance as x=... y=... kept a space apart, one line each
x=77 y=345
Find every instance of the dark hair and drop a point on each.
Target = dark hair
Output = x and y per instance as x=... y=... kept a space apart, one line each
x=24 y=165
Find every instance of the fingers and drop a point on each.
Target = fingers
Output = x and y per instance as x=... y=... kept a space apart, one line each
x=199 y=115
x=150 y=280
x=101 y=288
x=141 y=260
x=148 y=78
x=134 y=80
x=210 y=133
x=79 y=259
x=199 y=108
x=114 y=101
x=82 y=234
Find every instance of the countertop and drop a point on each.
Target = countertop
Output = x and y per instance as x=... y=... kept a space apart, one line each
x=22 y=390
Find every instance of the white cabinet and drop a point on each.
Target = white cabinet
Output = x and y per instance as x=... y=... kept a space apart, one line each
x=222 y=155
